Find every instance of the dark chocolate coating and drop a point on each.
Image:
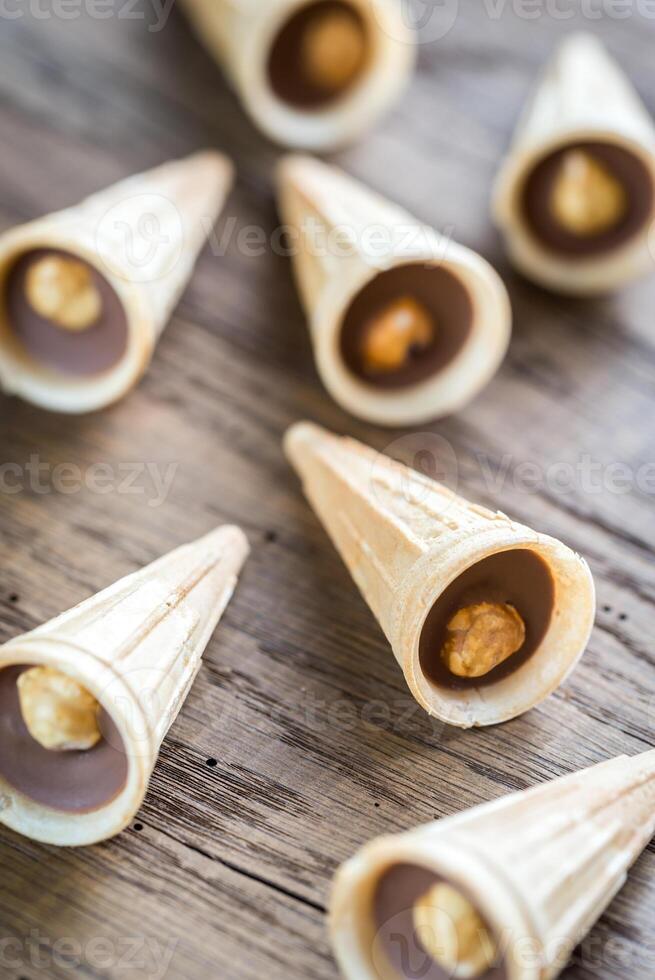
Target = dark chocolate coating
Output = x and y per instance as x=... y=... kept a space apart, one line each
x=624 y=166
x=396 y=895
x=75 y=782
x=519 y=578
x=442 y=294
x=82 y=353
x=285 y=70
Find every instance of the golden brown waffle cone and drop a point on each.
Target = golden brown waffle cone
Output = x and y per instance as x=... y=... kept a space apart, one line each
x=143 y=235
x=137 y=647
x=405 y=538
x=334 y=222
x=541 y=866
x=583 y=95
x=240 y=33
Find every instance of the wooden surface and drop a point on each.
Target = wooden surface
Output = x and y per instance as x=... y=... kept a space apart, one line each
x=226 y=873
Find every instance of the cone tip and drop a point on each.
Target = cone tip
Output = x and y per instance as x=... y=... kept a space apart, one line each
x=228 y=538
x=293 y=167
x=580 y=39
x=299 y=437
x=211 y=166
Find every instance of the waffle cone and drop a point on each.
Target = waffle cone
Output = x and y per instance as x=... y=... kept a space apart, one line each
x=137 y=647
x=541 y=866
x=582 y=95
x=240 y=34
x=335 y=223
x=405 y=538
x=144 y=235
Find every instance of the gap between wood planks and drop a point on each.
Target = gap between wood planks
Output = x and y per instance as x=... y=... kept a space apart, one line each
x=231 y=866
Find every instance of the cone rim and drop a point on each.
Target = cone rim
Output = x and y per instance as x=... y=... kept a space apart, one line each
x=49 y=825
x=23 y=376
x=577 y=276
x=458 y=382
x=349 y=919
x=47 y=388
x=543 y=673
x=631 y=130
x=338 y=123
x=449 y=389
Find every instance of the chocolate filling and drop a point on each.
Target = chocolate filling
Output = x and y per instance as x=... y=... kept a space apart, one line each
x=519 y=578
x=623 y=165
x=88 y=352
x=75 y=782
x=287 y=73
x=440 y=292
x=393 y=905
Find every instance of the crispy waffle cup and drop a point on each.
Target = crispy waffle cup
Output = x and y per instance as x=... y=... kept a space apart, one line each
x=136 y=647
x=541 y=867
x=143 y=235
x=582 y=96
x=240 y=34
x=405 y=538
x=334 y=223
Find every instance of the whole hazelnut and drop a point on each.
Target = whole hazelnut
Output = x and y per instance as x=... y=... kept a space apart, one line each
x=480 y=637
x=333 y=50
x=59 y=713
x=399 y=330
x=587 y=198
x=452 y=932
x=62 y=290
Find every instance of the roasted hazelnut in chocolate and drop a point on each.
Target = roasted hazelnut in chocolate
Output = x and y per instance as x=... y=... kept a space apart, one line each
x=57 y=747
x=427 y=927
x=63 y=313
x=489 y=621
x=87 y=698
x=575 y=195
x=503 y=891
x=85 y=293
x=588 y=198
x=406 y=325
x=319 y=54
x=312 y=74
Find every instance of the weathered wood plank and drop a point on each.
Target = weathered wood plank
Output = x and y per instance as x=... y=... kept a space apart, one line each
x=317 y=744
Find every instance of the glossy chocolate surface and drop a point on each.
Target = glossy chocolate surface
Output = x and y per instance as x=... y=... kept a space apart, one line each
x=75 y=782
x=393 y=905
x=439 y=291
x=624 y=166
x=286 y=71
x=83 y=353
x=518 y=578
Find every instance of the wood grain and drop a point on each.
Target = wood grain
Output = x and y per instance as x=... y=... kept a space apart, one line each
x=318 y=747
